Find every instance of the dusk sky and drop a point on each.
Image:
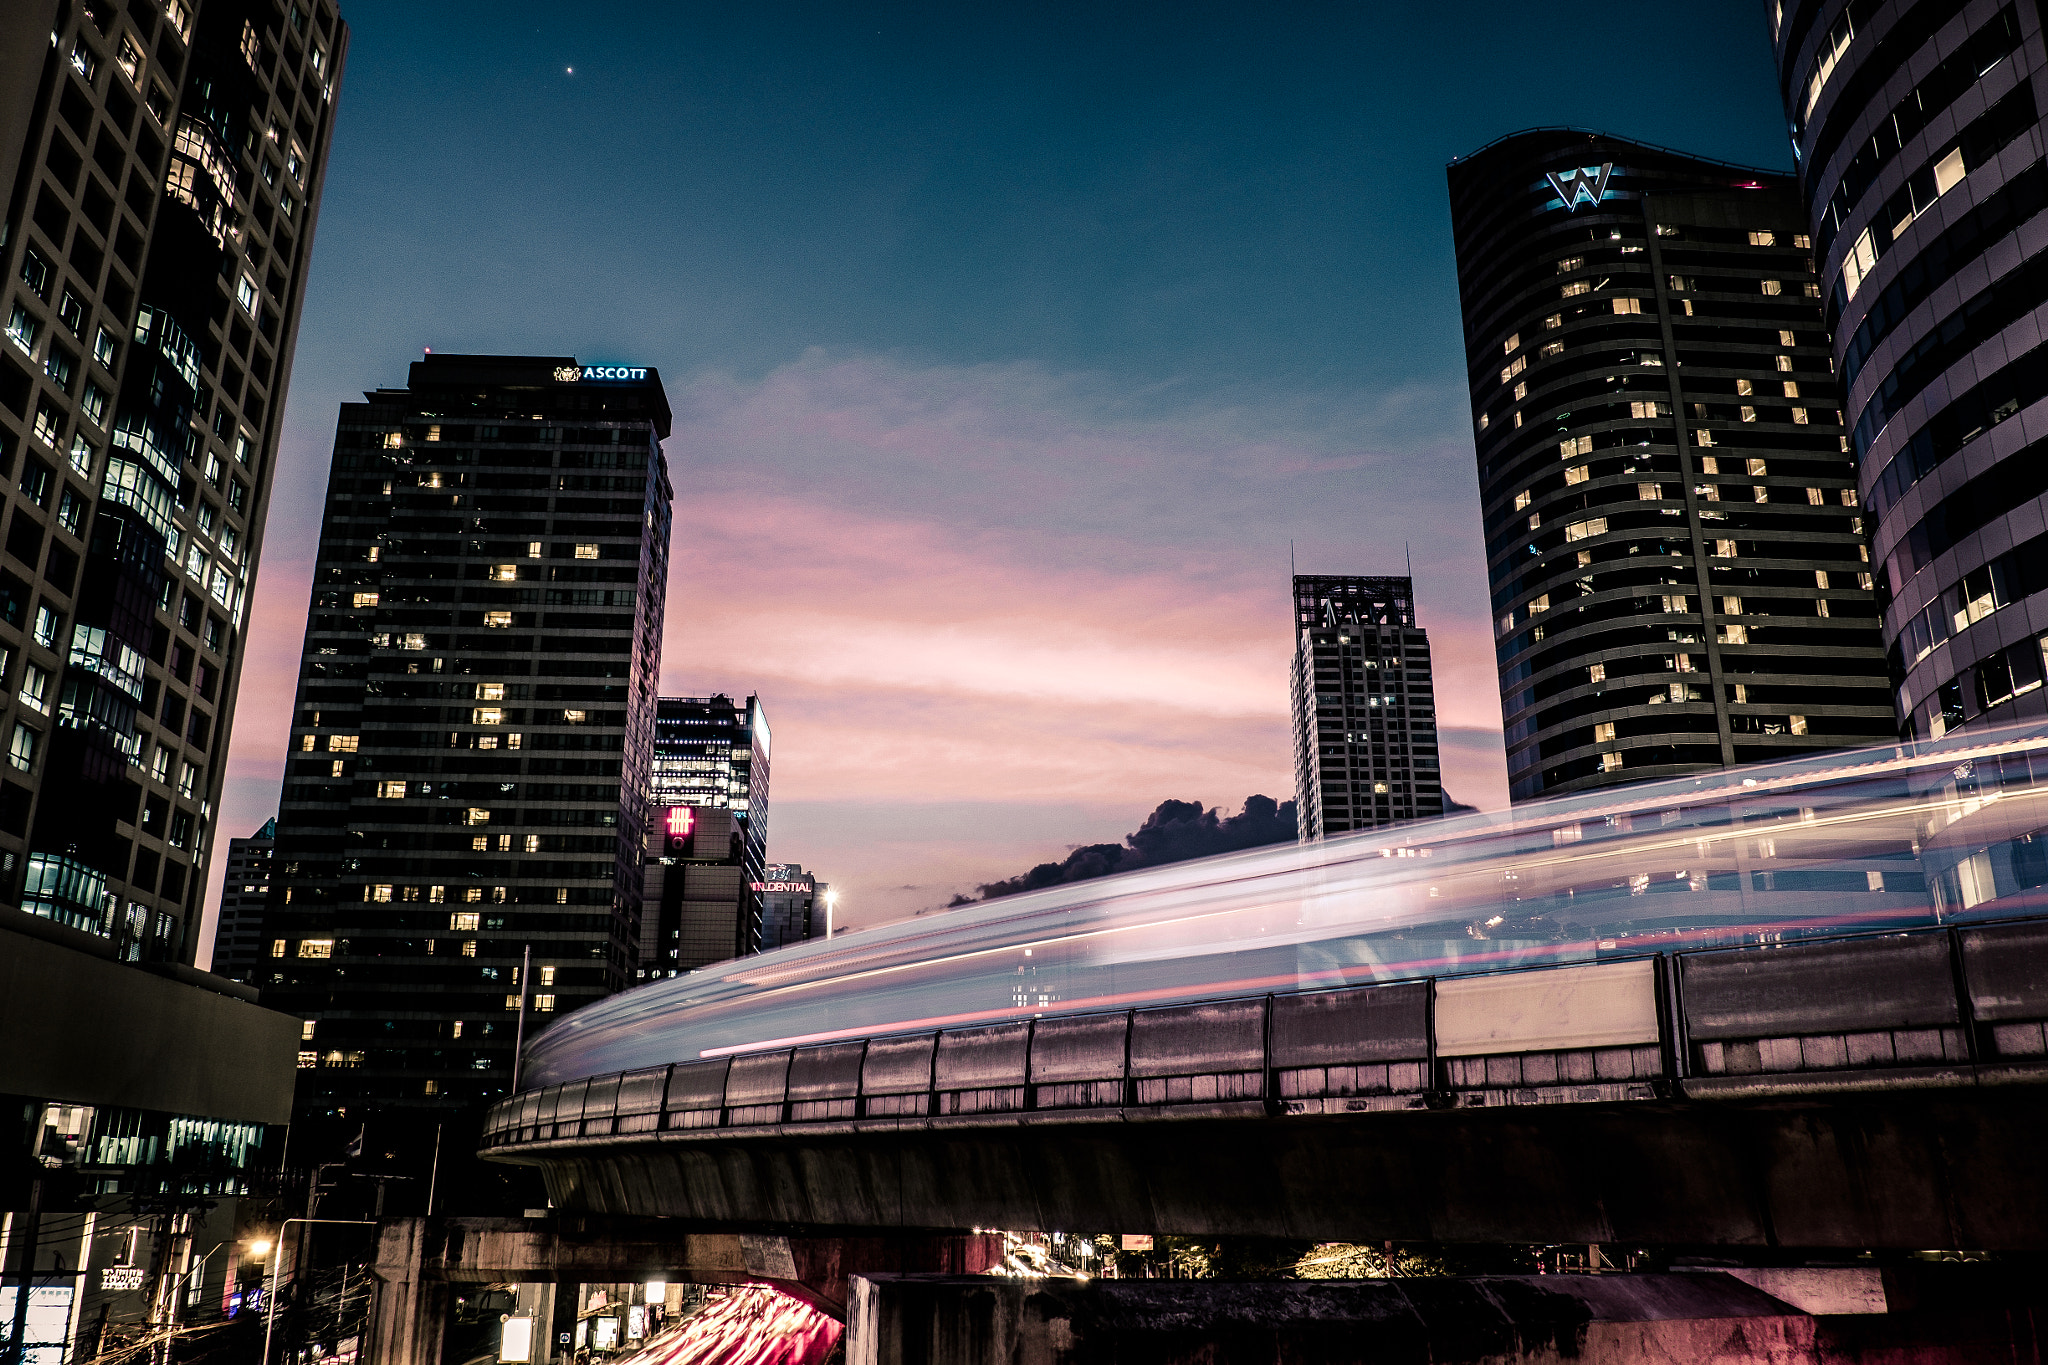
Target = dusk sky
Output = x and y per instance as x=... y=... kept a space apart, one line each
x=1009 y=347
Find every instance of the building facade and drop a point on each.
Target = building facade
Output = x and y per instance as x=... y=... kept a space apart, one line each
x=238 y=941
x=1921 y=151
x=163 y=165
x=792 y=905
x=711 y=760
x=470 y=744
x=1675 y=541
x=1365 y=738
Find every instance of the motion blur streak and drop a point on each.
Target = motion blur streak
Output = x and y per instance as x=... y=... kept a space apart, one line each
x=751 y=1325
x=1889 y=837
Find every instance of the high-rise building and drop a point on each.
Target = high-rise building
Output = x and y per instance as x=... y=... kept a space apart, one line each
x=711 y=759
x=1365 y=739
x=792 y=905
x=471 y=742
x=238 y=941
x=1920 y=141
x=1674 y=538
x=163 y=164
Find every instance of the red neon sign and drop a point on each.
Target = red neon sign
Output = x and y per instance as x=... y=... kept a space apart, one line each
x=681 y=820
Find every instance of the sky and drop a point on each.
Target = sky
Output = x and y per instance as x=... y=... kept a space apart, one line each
x=1013 y=350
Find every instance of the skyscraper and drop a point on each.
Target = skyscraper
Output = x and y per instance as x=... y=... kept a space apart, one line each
x=164 y=165
x=792 y=905
x=1365 y=739
x=1674 y=538
x=470 y=746
x=711 y=759
x=238 y=940
x=1920 y=144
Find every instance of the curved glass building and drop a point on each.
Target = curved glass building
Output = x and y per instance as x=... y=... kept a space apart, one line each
x=1919 y=138
x=1674 y=538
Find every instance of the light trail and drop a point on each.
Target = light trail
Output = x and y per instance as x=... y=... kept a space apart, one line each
x=1888 y=838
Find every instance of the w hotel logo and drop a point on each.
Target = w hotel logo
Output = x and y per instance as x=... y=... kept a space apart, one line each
x=1582 y=184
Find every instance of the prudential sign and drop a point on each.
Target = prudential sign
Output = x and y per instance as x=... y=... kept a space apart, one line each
x=1581 y=184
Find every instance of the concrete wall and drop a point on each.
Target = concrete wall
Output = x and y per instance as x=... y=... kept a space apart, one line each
x=1506 y=1320
x=84 y=1030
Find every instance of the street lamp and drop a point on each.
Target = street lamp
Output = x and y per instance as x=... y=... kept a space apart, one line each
x=831 y=904
x=270 y=1295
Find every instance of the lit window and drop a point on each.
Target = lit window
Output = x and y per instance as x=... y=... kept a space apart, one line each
x=21 y=750
x=1610 y=761
x=586 y=552
x=469 y=945
x=487 y=715
x=245 y=294
x=575 y=717
x=308 y=1059
x=366 y=599
x=1522 y=499
x=498 y=619
x=543 y=1004
x=1508 y=346
x=412 y=640
x=480 y=844
x=1628 y=305
x=464 y=919
x=505 y=573
x=1570 y=263
x=473 y=894
x=533 y=549
x=477 y=816
x=1798 y=724
x=1603 y=732
x=35 y=688
x=490 y=691
x=342 y=744
x=316 y=947
x=382 y=892
x=188 y=780
x=85 y=60
x=22 y=327
x=277 y=947
x=1649 y=492
x=391 y=790
x=533 y=843
x=1577 y=474
x=512 y=741
x=1576 y=288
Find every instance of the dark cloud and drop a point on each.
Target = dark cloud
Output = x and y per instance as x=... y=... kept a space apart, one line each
x=1174 y=832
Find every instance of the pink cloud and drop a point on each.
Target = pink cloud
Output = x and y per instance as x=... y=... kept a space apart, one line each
x=991 y=589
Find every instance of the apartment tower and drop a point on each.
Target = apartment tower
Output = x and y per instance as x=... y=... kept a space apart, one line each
x=1674 y=536
x=470 y=744
x=1920 y=142
x=1365 y=739
x=163 y=162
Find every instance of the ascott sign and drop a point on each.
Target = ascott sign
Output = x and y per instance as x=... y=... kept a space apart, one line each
x=573 y=374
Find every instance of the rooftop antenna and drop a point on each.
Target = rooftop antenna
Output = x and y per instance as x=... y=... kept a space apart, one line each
x=1410 y=556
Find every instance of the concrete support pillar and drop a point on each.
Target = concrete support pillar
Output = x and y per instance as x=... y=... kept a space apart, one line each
x=409 y=1317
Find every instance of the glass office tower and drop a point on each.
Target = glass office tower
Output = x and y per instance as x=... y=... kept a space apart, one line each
x=1920 y=144
x=710 y=759
x=163 y=164
x=1674 y=535
x=1365 y=746
x=470 y=745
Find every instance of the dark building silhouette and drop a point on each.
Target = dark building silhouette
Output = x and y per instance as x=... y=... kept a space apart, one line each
x=710 y=761
x=470 y=744
x=1365 y=739
x=163 y=167
x=1674 y=539
x=238 y=942
x=1920 y=144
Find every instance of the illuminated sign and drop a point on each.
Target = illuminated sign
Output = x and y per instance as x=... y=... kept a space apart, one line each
x=121 y=1277
x=515 y=1346
x=575 y=374
x=781 y=886
x=1581 y=184
x=681 y=820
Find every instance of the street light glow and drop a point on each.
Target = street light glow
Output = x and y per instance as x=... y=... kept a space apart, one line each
x=259 y=1248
